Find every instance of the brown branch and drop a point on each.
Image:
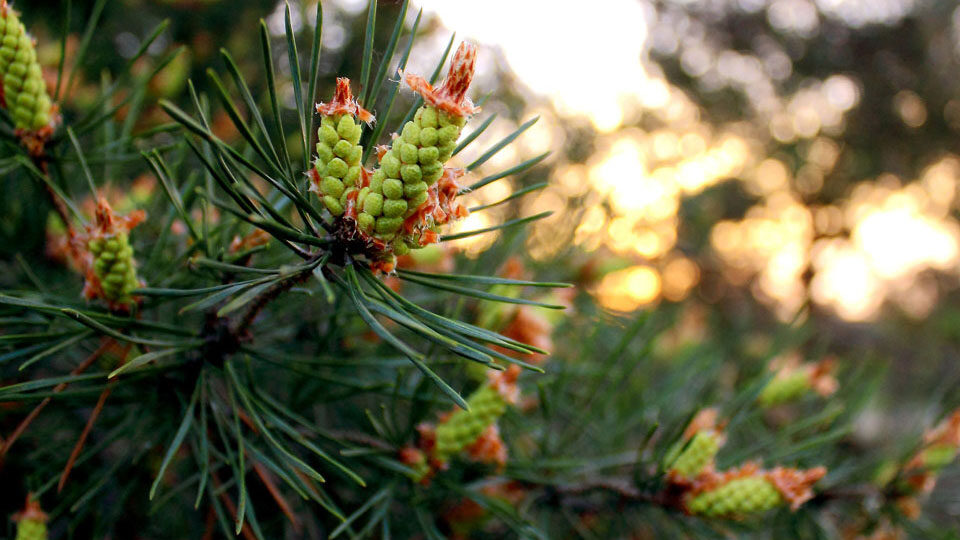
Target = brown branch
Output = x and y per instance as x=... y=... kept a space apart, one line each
x=243 y=328
x=267 y=480
x=228 y=502
x=211 y=521
x=83 y=436
x=93 y=418
x=4 y=448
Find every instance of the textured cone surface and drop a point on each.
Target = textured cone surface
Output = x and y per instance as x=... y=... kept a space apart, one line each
x=407 y=170
x=938 y=456
x=463 y=427
x=31 y=529
x=114 y=266
x=701 y=451
x=783 y=389
x=24 y=90
x=739 y=497
x=338 y=174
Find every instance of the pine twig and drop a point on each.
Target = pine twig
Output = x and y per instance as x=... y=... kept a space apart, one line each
x=83 y=436
x=86 y=429
x=243 y=327
x=271 y=486
x=4 y=448
x=232 y=508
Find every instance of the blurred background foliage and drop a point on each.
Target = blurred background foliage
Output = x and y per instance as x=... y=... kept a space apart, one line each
x=729 y=165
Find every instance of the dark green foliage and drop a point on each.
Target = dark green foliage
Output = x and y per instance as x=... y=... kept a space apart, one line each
x=265 y=381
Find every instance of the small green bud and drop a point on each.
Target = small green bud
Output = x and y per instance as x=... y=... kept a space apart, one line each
x=400 y=247
x=324 y=153
x=345 y=126
x=394 y=208
x=446 y=151
x=411 y=133
x=31 y=529
x=373 y=204
x=342 y=149
x=362 y=196
x=412 y=190
x=328 y=135
x=356 y=152
x=410 y=174
x=408 y=153
x=353 y=174
x=333 y=205
x=428 y=155
x=432 y=172
x=332 y=186
x=376 y=180
x=447 y=135
x=428 y=137
x=388 y=225
x=391 y=166
x=337 y=167
x=414 y=203
x=393 y=188
x=366 y=222
x=354 y=137
x=428 y=117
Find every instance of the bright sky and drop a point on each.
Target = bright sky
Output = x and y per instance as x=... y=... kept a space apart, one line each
x=584 y=56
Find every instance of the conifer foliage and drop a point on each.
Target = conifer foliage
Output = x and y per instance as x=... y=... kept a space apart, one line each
x=267 y=338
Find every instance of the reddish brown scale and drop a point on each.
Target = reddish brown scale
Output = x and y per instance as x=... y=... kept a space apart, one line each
x=351 y=210
x=31 y=510
x=429 y=237
x=384 y=267
x=795 y=485
x=343 y=103
x=451 y=95
x=489 y=448
x=365 y=177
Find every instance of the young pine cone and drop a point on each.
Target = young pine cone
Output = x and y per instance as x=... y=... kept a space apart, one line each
x=696 y=450
x=113 y=275
x=24 y=91
x=114 y=266
x=31 y=522
x=740 y=497
x=414 y=162
x=749 y=491
x=463 y=427
x=488 y=403
x=697 y=455
x=338 y=174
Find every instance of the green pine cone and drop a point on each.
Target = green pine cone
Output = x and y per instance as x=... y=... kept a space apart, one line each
x=462 y=428
x=115 y=267
x=338 y=160
x=697 y=454
x=738 y=498
x=413 y=163
x=24 y=90
x=784 y=389
x=31 y=529
x=938 y=456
